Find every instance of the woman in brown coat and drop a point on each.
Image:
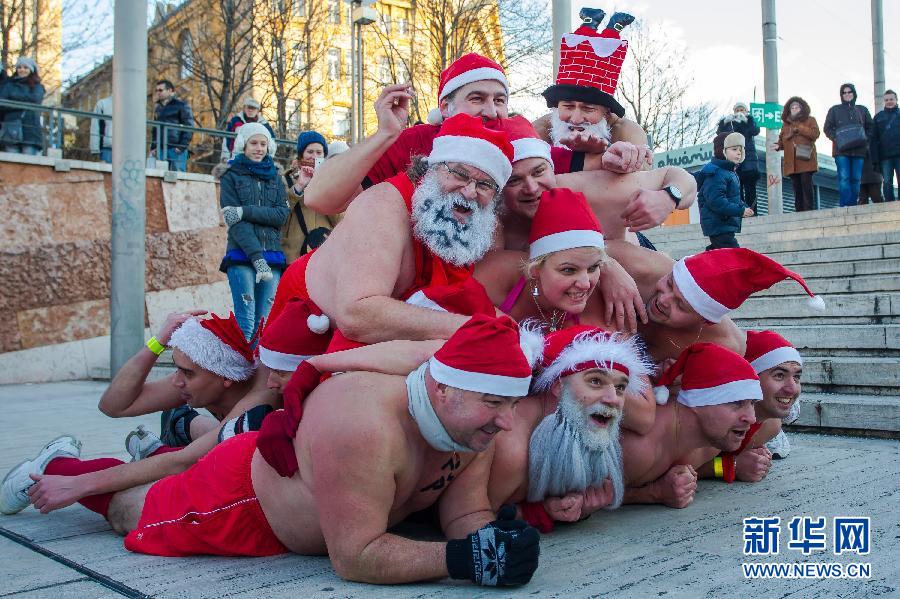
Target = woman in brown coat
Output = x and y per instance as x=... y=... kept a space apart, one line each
x=797 y=138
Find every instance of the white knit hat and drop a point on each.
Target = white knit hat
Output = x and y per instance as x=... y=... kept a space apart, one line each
x=248 y=130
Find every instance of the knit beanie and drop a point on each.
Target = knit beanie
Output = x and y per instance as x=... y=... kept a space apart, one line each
x=248 y=130
x=311 y=137
x=25 y=61
x=740 y=105
x=726 y=140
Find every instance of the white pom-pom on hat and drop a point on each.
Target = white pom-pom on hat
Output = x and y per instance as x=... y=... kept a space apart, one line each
x=661 y=394
x=816 y=303
x=435 y=117
x=318 y=323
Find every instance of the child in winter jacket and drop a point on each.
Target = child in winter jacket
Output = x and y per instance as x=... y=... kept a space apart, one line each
x=252 y=196
x=721 y=208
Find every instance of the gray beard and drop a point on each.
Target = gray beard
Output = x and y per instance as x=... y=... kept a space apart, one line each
x=436 y=227
x=565 y=456
x=560 y=129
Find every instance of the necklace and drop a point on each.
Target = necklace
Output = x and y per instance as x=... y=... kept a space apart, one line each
x=679 y=347
x=557 y=317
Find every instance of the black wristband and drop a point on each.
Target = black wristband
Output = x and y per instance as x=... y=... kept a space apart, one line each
x=459 y=559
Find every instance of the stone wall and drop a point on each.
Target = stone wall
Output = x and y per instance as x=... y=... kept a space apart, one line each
x=55 y=261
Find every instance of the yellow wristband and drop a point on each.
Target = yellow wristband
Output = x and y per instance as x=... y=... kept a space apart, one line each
x=155 y=346
x=717 y=467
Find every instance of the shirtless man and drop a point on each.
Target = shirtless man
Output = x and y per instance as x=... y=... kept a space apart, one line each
x=473 y=85
x=779 y=367
x=364 y=466
x=400 y=236
x=711 y=413
x=212 y=356
x=687 y=301
x=562 y=459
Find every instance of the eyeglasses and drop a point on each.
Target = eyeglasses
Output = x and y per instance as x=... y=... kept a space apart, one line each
x=485 y=189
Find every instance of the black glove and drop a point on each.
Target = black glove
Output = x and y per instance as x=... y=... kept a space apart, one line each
x=502 y=553
x=251 y=420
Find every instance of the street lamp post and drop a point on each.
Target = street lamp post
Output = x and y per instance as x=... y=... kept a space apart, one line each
x=361 y=15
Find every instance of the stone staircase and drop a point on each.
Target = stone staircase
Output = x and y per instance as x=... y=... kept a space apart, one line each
x=851 y=257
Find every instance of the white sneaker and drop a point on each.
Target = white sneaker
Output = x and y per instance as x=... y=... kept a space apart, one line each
x=779 y=446
x=140 y=443
x=14 y=488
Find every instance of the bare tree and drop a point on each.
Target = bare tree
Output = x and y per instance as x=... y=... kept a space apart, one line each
x=214 y=48
x=289 y=51
x=653 y=86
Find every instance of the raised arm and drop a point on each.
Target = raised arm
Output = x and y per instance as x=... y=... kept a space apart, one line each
x=389 y=357
x=129 y=393
x=337 y=181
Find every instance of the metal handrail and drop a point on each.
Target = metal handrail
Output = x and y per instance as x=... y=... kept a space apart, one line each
x=55 y=129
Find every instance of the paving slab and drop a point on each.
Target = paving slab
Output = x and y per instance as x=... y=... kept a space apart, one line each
x=637 y=551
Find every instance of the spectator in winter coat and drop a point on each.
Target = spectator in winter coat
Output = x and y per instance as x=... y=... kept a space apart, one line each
x=20 y=130
x=101 y=130
x=721 y=207
x=885 y=144
x=848 y=159
x=170 y=109
x=251 y=193
x=799 y=129
x=741 y=121
x=305 y=229
x=250 y=114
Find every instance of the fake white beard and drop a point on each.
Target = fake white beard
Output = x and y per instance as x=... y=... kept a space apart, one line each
x=560 y=130
x=565 y=455
x=425 y=417
x=435 y=226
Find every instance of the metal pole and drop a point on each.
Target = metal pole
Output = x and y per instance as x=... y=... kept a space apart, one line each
x=562 y=24
x=878 y=52
x=361 y=83
x=354 y=76
x=770 y=69
x=128 y=180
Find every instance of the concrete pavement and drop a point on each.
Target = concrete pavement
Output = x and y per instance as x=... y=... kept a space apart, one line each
x=639 y=551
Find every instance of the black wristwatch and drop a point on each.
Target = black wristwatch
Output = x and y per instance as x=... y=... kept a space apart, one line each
x=674 y=193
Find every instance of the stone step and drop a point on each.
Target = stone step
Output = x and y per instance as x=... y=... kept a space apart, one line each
x=845 y=411
x=834 y=270
x=160 y=371
x=843 y=241
x=811 y=340
x=858 y=284
x=836 y=306
x=858 y=375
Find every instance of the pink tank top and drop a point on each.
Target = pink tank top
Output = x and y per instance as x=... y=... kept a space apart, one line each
x=513 y=297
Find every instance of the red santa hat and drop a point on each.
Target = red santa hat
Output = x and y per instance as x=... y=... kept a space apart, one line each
x=467 y=298
x=466 y=140
x=579 y=348
x=524 y=139
x=469 y=69
x=563 y=221
x=768 y=349
x=216 y=344
x=589 y=67
x=488 y=355
x=710 y=375
x=719 y=281
x=289 y=340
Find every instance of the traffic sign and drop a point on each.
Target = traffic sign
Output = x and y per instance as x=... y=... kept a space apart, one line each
x=767 y=115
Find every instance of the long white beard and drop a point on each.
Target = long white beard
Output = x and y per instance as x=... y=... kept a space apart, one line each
x=435 y=226
x=560 y=130
x=565 y=455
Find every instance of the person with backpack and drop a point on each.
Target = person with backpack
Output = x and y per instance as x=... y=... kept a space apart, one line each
x=305 y=229
x=721 y=207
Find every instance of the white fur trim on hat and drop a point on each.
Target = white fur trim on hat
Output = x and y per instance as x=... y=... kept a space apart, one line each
x=603 y=349
x=207 y=351
x=531 y=147
x=423 y=301
x=565 y=240
x=699 y=300
x=479 y=74
x=473 y=151
x=277 y=360
x=722 y=394
x=775 y=357
x=531 y=340
x=479 y=382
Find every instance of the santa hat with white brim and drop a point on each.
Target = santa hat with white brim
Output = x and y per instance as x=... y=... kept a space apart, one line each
x=295 y=336
x=468 y=298
x=768 y=349
x=718 y=281
x=524 y=139
x=465 y=139
x=216 y=344
x=710 y=375
x=563 y=221
x=579 y=348
x=488 y=355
